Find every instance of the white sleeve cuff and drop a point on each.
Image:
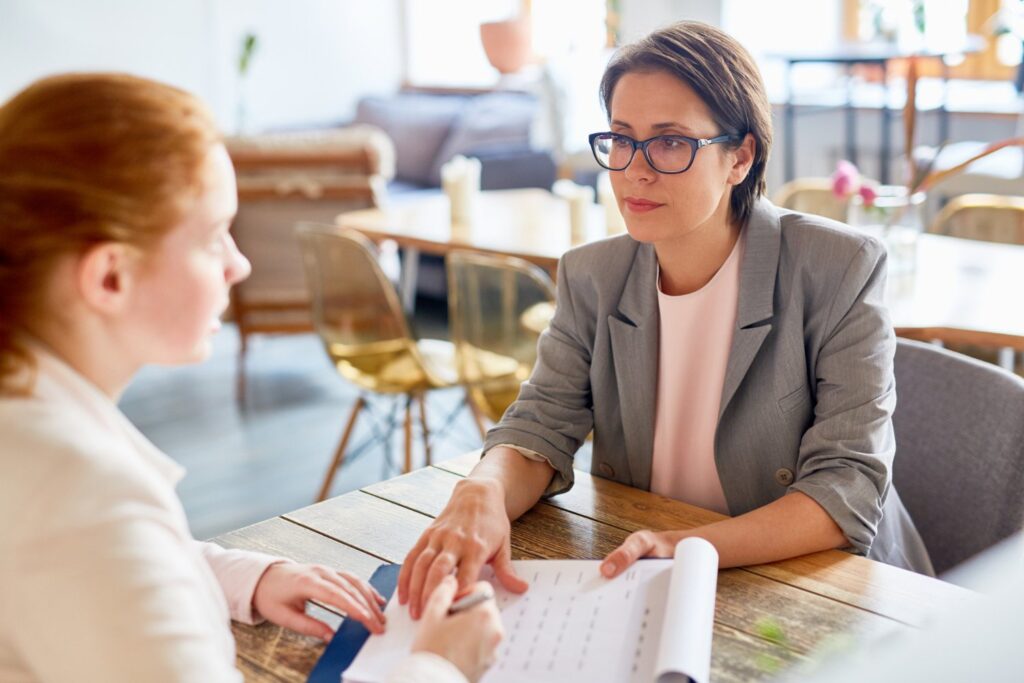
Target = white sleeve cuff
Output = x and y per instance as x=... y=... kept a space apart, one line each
x=425 y=667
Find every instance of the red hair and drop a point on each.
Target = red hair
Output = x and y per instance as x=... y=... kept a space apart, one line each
x=87 y=159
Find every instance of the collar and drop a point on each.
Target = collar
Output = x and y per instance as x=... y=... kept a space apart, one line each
x=57 y=383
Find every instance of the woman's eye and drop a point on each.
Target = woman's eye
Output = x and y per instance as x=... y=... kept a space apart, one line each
x=621 y=143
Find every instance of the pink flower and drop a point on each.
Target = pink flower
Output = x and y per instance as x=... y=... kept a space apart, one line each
x=846 y=179
x=868 y=194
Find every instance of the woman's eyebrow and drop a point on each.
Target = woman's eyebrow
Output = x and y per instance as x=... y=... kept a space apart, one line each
x=672 y=124
x=621 y=124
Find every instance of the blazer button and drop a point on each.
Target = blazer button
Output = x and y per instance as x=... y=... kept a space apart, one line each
x=784 y=476
x=606 y=470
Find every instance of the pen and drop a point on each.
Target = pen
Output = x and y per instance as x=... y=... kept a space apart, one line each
x=471 y=600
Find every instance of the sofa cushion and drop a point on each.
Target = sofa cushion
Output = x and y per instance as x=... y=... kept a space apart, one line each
x=487 y=121
x=417 y=124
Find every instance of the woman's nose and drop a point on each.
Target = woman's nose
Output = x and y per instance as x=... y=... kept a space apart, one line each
x=238 y=267
x=638 y=169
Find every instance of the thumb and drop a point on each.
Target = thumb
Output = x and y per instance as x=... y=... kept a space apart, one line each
x=440 y=600
x=506 y=574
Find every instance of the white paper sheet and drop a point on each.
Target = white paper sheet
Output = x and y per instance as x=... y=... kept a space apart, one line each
x=575 y=625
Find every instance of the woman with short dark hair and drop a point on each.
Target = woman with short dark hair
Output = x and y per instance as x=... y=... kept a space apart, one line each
x=724 y=353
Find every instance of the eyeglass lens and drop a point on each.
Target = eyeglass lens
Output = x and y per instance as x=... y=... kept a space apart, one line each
x=668 y=154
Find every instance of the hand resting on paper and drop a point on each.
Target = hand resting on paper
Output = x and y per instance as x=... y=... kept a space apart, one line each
x=471 y=531
x=282 y=592
x=474 y=528
x=787 y=527
x=640 y=544
x=468 y=639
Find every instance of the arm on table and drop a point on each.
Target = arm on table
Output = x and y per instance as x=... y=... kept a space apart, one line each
x=845 y=458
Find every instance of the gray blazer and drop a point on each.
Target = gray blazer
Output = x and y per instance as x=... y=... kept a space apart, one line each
x=808 y=395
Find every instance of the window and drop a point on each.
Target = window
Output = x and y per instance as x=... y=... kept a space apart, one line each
x=918 y=23
x=442 y=37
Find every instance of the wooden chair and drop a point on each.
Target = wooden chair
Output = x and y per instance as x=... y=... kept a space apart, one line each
x=282 y=179
x=988 y=217
x=812 y=195
x=497 y=307
x=360 y=320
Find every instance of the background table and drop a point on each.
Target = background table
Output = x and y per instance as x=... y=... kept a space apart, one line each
x=961 y=291
x=767 y=618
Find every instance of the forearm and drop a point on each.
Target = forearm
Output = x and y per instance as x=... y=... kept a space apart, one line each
x=517 y=479
x=792 y=525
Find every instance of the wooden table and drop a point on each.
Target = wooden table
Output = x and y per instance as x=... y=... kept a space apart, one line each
x=767 y=618
x=530 y=224
x=961 y=291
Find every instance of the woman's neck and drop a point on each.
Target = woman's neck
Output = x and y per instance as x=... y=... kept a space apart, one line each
x=690 y=261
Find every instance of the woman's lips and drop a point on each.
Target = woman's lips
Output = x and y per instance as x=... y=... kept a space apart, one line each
x=637 y=205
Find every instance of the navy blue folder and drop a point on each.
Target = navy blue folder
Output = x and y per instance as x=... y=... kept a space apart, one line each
x=349 y=638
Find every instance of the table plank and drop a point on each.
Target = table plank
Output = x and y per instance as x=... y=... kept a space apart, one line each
x=278 y=536
x=883 y=589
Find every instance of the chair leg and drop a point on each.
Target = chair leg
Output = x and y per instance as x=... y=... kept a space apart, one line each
x=477 y=417
x=243 y=346
x=339 y=454
x=1006 y=358
x=408 y=435
x=422 y=399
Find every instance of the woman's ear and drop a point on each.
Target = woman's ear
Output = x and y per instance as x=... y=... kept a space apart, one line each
x=743 y=159
x=105 y=274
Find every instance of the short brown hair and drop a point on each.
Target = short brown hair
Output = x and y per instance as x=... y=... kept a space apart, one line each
x=86 y=159
x=724 y=76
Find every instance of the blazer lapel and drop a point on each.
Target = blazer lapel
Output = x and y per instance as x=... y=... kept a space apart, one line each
x=634 y=342
x=757 y=291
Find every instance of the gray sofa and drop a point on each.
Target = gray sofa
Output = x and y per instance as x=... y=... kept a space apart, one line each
x=428 y=129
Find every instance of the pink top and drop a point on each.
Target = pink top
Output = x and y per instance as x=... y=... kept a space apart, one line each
x=694 y=341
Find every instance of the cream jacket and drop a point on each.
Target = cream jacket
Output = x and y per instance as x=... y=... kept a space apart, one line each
x=100 y=579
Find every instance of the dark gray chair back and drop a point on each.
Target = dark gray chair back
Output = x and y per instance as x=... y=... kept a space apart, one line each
x=959 y=465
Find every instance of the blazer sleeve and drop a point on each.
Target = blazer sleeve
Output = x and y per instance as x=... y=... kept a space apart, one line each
x=554 y=411
x=845 y=457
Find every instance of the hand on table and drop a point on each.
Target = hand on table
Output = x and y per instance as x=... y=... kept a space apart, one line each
x=471 y=531
x=284 y=588
x=468 y=639
x=640 y=544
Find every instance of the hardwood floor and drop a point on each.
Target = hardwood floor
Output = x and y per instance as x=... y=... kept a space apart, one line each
x=246 y=465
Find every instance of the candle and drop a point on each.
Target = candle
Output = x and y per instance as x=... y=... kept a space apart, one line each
x=613 y=220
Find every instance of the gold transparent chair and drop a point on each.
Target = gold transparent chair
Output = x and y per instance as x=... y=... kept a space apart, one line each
x=497 y=308
x=364 y=330
x=988 y=217
x=812 y=195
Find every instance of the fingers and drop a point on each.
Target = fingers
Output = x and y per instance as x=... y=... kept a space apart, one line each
x=371 y=598
x=405 y=574
x=502 y=564
x=442 y=567
x=419 y=577
x=349 y=601
x=634 y=547
x=436 y=607
x=301 y=622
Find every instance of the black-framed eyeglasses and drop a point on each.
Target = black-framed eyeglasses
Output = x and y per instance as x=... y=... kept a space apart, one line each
x=664 y=153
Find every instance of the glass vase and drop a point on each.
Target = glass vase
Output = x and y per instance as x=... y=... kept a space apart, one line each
x=897 y=218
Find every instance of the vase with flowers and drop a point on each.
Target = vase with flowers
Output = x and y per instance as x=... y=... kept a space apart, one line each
x=890 y=212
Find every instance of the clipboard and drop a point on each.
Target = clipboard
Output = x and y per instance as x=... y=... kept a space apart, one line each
x=351 y=635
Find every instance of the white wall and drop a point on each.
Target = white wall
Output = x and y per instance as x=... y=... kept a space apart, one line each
x=315 y=57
